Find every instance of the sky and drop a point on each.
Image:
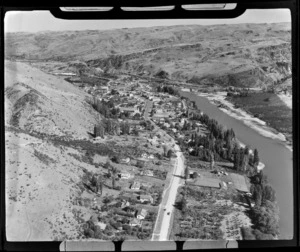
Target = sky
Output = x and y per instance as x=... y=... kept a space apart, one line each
x=35 y=21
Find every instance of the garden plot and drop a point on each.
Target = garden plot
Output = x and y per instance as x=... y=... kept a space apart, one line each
x=232 y=223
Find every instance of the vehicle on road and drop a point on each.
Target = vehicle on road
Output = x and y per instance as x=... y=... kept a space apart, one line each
x=168 y=213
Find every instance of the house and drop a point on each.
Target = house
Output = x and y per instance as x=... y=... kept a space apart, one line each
x=130 y=110
x=136 y=186
x=167 y=125
x=125 y=204
x=148 y=173
x=124 y=175
x=135 y=222
x=101 y=225
x=130 y=210
x=151 y=156
x=141 y=214
x=223 y=185
x=125 y=160
x=144 y=155
x=191 y=149
x=146 y=198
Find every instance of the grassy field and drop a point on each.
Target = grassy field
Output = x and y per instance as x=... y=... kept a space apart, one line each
x=269 y=108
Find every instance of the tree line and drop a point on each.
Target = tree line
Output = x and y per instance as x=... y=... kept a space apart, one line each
x=109 y=111
x=219 y=144
x=167 y=89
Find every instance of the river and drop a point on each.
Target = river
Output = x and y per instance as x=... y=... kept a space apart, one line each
x=273 y=153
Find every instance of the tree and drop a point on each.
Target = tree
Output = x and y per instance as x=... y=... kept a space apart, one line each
x=195 y=175
x=169 y=153
x=89 y=233
x=100 y=184
x=140 y=163
x=257 y=194
x=265 y=220
x=268 y=193
x=262 y=236
x=245 y=159
x=107 y=165
x=247 y=233
x=212 y=160
x=115 y=159
x=186 y=172
x=113 y=171
x=127 y=128
x=181 y=205
x=256 y=157
x=236 y=158
x=165 y=148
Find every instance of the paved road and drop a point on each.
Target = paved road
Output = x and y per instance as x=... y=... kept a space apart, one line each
x=163 y=221
x=161 y=232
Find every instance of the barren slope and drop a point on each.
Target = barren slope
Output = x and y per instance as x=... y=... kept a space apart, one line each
x=41 y=174
x=39 y=102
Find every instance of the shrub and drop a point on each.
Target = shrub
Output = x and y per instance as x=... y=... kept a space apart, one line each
x=247 y=233
x=89 y=233
x=140 y=163
x=115 y=159
x=118 y=188
x=262 y=236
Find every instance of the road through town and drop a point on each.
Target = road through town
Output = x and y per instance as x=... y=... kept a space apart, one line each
x=163 y=221
x=164 y=217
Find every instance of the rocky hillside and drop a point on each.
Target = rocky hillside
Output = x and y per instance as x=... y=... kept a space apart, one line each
x=246 y=55
x=43 y=116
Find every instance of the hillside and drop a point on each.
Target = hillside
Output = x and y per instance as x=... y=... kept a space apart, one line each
x=43 y=115
x=246 y=55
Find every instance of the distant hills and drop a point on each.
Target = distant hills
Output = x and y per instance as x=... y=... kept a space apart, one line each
x=246 y=55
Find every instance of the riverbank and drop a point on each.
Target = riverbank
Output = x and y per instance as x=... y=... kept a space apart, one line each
x=219 y=99
x=287 y=99
x=273 y=153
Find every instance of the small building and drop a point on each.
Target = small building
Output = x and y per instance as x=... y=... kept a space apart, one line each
x=125 y=160
x=148 y=173
x=130 y=210
x=125 y=204
x=141 y=214
x=130 y=110
x=146 y=198
x=101 y=225
x=125 y=175
x=136 y=186
x=135 y=222
x=223 y=185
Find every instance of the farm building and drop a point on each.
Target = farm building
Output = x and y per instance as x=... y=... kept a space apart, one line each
x=239 y=182
x=206 y=182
